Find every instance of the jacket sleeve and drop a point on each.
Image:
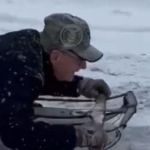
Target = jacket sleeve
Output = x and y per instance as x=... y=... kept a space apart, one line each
x=19 y=88
x=20 y=132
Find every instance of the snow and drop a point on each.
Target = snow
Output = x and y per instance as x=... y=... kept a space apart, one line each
x=120 y=29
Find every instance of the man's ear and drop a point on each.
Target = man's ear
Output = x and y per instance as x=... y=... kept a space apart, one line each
x=54 y=56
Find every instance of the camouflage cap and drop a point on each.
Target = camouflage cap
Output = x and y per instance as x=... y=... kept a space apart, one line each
x=67 y=32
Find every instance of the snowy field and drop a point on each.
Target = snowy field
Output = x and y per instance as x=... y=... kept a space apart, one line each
x=121 y=30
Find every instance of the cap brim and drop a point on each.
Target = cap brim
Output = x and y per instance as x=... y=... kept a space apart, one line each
x=90 y=54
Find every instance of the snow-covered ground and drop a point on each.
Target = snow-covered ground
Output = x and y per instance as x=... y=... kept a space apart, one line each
x=121 y=30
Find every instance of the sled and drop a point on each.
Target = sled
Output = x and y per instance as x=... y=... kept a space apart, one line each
x=113 y=113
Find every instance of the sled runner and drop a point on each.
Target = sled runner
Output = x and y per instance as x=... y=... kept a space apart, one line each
x=113 y=113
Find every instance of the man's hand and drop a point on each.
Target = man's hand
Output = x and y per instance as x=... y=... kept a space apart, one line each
x=91 y=135
x=92 y=88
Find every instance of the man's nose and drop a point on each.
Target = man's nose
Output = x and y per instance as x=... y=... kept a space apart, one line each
x=83 y=64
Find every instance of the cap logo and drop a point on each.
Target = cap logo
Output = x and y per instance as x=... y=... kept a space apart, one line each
x=71 y=36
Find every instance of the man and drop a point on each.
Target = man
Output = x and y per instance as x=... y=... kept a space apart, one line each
x=34 y=63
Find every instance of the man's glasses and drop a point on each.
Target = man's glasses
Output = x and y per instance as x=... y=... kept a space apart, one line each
x=73 y=55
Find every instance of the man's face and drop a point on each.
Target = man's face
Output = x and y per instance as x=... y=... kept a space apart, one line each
x=65 y=64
